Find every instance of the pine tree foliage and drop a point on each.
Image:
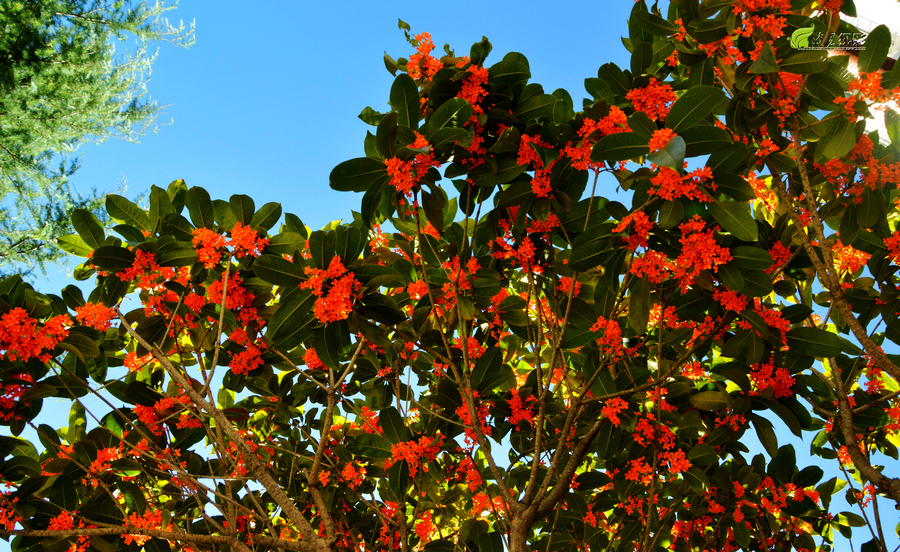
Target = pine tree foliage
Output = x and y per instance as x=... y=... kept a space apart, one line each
x=64 y=83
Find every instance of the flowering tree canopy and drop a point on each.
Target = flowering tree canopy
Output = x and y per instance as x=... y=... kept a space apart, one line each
x=522 y=363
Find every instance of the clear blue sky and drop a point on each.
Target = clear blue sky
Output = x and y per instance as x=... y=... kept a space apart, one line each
x=266 y=102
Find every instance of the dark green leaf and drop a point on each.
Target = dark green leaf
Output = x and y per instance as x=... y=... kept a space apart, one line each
x=356 y=175
x=878 y=44
x=123 y=210
x=693 y=107
x=619 y=147
x=405 y=101
x=814 y=342
x=735 y=218
x=113 y=258
x=200 y=208
x=88 y=227
x=278 y=271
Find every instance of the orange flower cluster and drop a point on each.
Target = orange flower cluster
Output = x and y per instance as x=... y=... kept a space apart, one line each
x=528 y=155
x=250 y=358
x=151 y=519
x=95 y=315
x=519 y=411
x=405 y=175
x=422 y=60
x=611 y=341
x=10 y=395
x=892 y=243
x=352 y=475
x=311 y=359
x=848 y=259
x=335 y=297
x=669 y=184
x=425 y=527
x=699 y=252
x=655 y=99
x=589 y=133
x=612 y=408
x=473 y=87
x=641 y=229
x=210 y=245
x=413 y=452
x=164 y=409
x=660 y=138
x=481 y=411
x=369 y=421
x=765 y=376
x=22 y=339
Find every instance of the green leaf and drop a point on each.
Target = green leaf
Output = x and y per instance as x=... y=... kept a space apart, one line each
x=405 y=101
x=711 y=400
x=113 y=258
x=242 y=207
x=735 y=218
x=88 y=227
x=370 y=116
x=765 y=431
x=200 y=208
x=671 y=155
x=381 y=308
x=840 y=137
x=278 y=271
x=878 y=44
x=766 y=62
x=454 y=113
x=123 y=210
x=703 y=455
x=183 y=256
x=639 y=305
x=535 y=107
x=619 y=147
x=708 y=30
x=391 y=422
x=508 y=71
x=356 y=175
x=286 y=243
x=589 y=247
x=370 y=445
x=814 y=342
x=805 y=62
x=160 y=205
x=693 y=107
x=292 y=315
x=654 y=24
x=266 y=217
x=751 y=257
x=74 y=245
x=704 y=139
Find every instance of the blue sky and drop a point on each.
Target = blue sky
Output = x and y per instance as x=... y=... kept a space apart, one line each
x=266 y=102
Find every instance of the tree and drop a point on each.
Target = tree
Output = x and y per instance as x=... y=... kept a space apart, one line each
x=523 y=364
x=61 y=84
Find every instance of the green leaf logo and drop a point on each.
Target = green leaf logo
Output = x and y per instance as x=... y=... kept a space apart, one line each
x=800 y=37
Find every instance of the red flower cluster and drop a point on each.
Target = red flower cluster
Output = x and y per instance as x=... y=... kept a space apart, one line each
x=405 y=175
x=95 y=315
x=22 y=339
x=413 y=452
x=422 y=60
x=210 y=246
x=336 y=289
x=655 y=99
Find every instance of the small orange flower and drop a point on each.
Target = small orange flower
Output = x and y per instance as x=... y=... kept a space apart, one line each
x=660 y=138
